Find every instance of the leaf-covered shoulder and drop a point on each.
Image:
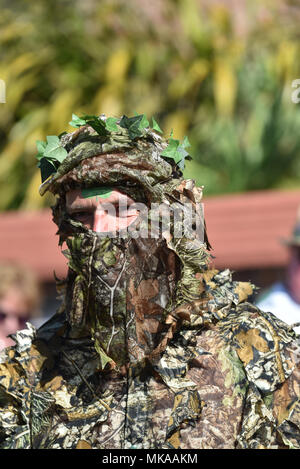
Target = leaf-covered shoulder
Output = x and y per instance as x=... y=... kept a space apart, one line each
x=221 y=281
x=262 y=342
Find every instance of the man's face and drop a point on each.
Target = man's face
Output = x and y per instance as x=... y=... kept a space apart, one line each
x=104 y=211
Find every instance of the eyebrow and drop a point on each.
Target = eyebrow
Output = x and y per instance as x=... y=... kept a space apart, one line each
x=76 y=208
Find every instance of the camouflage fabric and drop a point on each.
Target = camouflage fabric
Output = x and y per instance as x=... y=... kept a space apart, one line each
x=151 y=347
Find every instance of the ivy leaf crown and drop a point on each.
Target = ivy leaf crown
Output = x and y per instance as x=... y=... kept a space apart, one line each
x=52 y=152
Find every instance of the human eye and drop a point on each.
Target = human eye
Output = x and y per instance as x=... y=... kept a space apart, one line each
x=81 y=215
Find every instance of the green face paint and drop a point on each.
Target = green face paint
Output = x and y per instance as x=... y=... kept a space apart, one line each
x=104 y=192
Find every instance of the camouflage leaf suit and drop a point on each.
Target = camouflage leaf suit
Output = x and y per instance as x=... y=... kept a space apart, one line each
x=151 y=347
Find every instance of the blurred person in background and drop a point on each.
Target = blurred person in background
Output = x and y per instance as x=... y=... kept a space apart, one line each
x=283 y=298
x=19 y=300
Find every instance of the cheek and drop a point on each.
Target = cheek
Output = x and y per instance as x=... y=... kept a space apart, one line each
x=104 y=221
x=86 y=220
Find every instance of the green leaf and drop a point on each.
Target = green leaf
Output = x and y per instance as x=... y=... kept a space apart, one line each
x=181 y=164
x=185 y=143
x=184 y=155
x=144 y=122
x=172 y=150
x=132 y=124
x=102 y=192
x=41 y=145
x=91 y=120
x=97 y=124
x=177 y=152
x=54 y=149
x=155 y=126
x=77 y=121
x=111 y=124
x=47 y=168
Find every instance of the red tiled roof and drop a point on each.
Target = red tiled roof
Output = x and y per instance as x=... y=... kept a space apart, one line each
x=29 y=238
x=244 y=231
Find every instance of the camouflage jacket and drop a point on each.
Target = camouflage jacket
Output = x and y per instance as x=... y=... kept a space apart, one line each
x=228 y=378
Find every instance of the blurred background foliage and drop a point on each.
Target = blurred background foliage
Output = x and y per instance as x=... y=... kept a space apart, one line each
x=218 y=71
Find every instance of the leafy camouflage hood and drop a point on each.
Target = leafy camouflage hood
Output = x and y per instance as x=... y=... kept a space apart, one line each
x=124 y=290
x=151 y=349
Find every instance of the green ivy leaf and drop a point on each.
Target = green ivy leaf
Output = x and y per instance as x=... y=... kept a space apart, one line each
x=41 y=145
x=51 y=153
x=103 y=192
x=93 y=121
x=132 y=124
x=155 y=126
x=47 y=168
x=144 y=122
x=185 y=143
x=111 y=124
x=177 y=151
x=97 y=124
x=172 y=150
x=54 y=149
x=184 y=156
x=77 y=121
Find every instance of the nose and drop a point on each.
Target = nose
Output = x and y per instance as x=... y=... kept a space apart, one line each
x=104 y=219
x=99 y=220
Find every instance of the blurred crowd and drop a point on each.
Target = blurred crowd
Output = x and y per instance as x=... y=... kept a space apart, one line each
x=20 y=300
x=283 y=298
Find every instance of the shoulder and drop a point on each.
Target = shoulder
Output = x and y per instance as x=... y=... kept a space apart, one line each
x=20 y=372
x=270 y=353
x=261 y=340
x=263 y=344
x=20 y=365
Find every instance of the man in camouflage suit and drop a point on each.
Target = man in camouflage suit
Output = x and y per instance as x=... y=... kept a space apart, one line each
x=151 y=348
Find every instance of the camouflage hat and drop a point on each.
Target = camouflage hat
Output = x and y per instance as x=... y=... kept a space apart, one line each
x=145 y=148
